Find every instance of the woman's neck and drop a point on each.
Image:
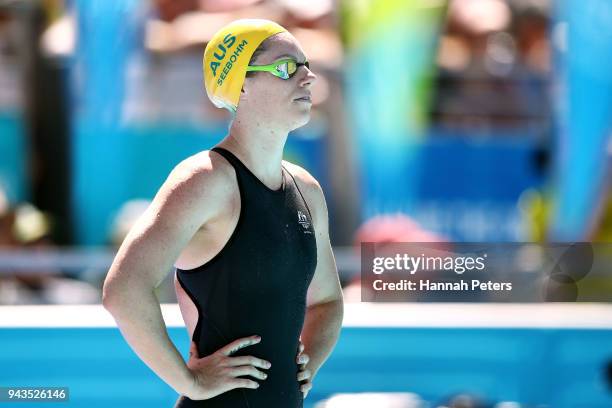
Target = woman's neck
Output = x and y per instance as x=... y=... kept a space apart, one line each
x=259 y=148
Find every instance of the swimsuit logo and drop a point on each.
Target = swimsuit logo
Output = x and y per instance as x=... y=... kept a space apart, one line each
x=304 y=222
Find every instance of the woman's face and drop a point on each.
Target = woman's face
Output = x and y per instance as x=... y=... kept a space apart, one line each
x=274 y=100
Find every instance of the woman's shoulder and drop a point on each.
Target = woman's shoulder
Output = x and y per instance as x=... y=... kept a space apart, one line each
x=301 y=175
x=203 y=177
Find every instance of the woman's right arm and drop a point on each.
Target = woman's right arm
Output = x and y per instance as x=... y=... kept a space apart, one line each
x=189 y=197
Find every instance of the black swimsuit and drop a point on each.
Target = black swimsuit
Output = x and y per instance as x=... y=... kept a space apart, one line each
x=257 y=285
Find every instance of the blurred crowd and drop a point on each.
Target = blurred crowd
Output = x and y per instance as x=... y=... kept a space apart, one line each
x=494 y=66
x=491 y=72
x=27 y=231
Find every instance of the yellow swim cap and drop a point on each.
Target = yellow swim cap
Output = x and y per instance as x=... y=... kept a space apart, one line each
x=227 y=55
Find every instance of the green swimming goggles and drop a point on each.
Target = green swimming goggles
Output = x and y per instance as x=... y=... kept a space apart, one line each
x=284 y=68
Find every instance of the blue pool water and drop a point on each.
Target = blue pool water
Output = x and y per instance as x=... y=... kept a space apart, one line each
x=557 y=367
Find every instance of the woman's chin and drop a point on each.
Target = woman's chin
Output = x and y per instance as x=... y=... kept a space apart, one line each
x=301 y=120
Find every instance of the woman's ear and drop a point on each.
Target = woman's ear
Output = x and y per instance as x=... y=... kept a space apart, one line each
x=244 y=88
x=244 y=85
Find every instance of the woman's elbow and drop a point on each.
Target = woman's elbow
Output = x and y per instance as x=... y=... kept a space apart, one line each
x=112 y=292
x=109 y=295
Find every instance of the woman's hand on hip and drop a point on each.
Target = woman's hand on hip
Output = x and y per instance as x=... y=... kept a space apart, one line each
x=218 y=373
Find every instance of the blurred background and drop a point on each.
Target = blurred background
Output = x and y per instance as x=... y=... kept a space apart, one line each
x=433 y=120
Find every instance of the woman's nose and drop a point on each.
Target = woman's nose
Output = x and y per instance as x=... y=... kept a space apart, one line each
x=308 y=78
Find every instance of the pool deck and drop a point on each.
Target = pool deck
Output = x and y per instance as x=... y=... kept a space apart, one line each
x=418 y=315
